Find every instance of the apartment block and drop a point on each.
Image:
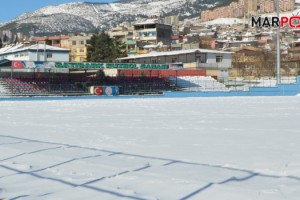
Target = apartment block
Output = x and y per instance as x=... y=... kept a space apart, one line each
x=246 y=8
x=76 y=44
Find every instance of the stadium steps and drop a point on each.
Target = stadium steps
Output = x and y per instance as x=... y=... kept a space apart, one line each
x=3 y=88
x=197 y=83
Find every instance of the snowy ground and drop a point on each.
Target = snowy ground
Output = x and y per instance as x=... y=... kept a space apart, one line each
x=189 y=148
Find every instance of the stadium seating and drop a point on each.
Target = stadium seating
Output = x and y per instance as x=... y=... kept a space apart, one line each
x=135 y=85
x=197 y=83
x=38 y=86
x=16 y=86
x=80 y=84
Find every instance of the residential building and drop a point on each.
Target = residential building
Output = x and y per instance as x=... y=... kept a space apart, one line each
x=78 y=47
x=120 y=33
x=247 y=8
x=151 y=32
x=250 y=61
x=56 y=41
x=173 y=20
x=125 y=34
x=76 y=44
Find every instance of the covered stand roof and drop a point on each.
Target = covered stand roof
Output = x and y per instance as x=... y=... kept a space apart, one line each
x=170 y=53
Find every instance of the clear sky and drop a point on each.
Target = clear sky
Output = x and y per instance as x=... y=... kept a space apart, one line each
x=13 y=8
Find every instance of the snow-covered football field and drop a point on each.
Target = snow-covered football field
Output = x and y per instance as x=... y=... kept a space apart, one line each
x=235 y=148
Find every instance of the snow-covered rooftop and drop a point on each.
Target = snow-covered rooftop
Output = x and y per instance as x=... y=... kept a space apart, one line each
x=21 y=47
x=148 y=21
x=169 y=53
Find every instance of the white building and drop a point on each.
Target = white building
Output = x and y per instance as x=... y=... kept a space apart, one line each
x=20 y=52
x=202 y=58
x=215 y=62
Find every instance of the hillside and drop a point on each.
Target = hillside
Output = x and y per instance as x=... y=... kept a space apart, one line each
x=87 y=16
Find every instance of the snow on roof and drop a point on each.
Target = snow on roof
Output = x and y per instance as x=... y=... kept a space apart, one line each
x=224 y=21
x=242 y=41
x=47 y=47
x=10 y=48
x=170 y=53
x=148 y=21
x=248 y=34
x=20 y=47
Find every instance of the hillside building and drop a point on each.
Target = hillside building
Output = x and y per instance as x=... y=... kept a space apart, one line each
x=78 y=47
x=246 y=8
x=151 y=32
x=56 y=41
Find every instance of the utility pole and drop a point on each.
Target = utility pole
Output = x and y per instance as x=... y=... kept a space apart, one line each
x=278 y=45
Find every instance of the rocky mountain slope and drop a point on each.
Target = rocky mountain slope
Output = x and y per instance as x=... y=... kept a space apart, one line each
x=88 y=16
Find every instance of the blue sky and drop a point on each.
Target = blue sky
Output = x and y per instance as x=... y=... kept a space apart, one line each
x=13 y=8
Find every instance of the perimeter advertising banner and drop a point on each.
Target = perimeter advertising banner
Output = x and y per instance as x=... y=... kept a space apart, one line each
x=109 y=65
x=31 y=64
x=84 y=65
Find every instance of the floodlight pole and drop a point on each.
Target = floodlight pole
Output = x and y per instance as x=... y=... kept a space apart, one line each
x=11 y=77
x=278 y=44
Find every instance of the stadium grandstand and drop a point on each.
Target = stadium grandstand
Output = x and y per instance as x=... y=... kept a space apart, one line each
x=45 y=81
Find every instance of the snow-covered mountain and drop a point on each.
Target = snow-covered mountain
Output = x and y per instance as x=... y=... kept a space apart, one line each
x=88 y=16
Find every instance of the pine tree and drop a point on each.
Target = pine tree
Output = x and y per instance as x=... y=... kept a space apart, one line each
x=16 y=40
x=102 y=48
x=5 y=38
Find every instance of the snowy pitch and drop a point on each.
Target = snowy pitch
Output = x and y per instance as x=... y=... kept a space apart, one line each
x=189 y=148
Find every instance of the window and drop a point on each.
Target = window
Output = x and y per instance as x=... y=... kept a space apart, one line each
x=81 y=50
x=82 y=42
x=147 y=34
x=154 y=61
x=152 y=34
x=49 y=55
x=82 y=59
x=219 y=59
x=201 y=58
x=73 y=42
x=174 y=60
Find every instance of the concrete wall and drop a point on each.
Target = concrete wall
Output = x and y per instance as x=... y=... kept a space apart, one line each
x=56 y=56
x=111 y=72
